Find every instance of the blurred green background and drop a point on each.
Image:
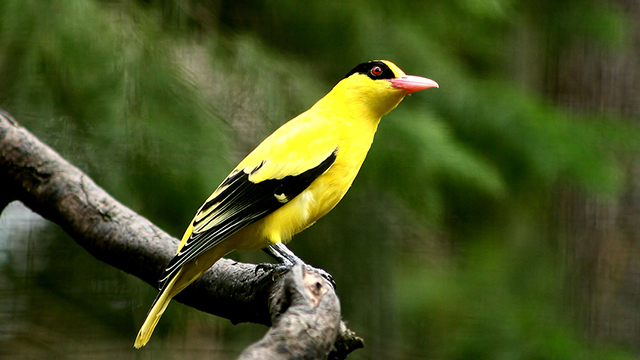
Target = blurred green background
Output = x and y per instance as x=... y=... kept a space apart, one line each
x=495 y=218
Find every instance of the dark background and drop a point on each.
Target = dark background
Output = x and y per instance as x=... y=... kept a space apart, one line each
x=495 y=218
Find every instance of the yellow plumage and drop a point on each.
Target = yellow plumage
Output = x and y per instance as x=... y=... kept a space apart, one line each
x=292 y=179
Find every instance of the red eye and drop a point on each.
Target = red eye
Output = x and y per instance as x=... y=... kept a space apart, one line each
x=376 y=71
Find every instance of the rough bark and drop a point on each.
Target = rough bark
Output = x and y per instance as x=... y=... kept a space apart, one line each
x=34 y=174
x=304 y=308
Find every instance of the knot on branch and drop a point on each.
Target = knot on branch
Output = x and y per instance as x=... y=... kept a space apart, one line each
x=306 y=319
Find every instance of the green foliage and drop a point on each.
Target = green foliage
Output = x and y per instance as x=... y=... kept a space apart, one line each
x=492 y=307
x=107 y=92
x=157 y=100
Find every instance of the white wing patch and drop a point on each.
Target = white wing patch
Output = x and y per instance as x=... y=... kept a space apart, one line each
x=282 y=198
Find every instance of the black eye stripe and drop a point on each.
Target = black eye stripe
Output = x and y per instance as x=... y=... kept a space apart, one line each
x=368 y=69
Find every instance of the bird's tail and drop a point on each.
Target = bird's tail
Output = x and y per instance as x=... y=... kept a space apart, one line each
x=158 y=308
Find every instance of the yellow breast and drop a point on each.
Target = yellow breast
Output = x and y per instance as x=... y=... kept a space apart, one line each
x=326 y=191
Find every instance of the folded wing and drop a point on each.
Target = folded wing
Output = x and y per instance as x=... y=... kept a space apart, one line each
x=238 y=202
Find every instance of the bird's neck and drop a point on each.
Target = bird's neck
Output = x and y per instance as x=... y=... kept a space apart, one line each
x=357 y=104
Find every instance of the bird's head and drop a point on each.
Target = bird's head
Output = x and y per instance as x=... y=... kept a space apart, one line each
x=379 y=86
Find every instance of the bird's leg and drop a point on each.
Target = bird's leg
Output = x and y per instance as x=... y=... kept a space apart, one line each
x=282 y=254
x=287 y=259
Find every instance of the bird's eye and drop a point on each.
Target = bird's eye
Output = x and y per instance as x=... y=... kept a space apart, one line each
x=376 y=71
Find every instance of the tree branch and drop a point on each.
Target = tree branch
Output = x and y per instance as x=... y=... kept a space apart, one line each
x=34 y=174
x=305 y=307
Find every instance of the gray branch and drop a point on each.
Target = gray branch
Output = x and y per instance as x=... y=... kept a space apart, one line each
x=302 y=310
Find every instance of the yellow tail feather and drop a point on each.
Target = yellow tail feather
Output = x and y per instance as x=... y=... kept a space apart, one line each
x=185 y=276
x=155 y=313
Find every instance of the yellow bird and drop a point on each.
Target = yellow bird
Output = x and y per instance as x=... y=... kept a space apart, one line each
x=292 y=179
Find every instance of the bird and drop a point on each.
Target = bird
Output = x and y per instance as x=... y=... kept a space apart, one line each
x=289 y=181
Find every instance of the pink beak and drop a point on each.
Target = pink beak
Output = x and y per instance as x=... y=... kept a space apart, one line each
x=411 y=83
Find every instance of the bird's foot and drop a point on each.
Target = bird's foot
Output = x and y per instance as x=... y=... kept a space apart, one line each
x=282 y=268
x=271 y=268
x=287 y=258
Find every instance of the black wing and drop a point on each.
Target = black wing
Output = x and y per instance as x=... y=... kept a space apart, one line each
x=239 y=203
